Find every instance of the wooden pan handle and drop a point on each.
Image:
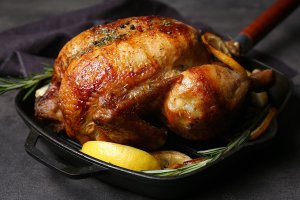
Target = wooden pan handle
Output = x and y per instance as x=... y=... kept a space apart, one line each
x=264 y=23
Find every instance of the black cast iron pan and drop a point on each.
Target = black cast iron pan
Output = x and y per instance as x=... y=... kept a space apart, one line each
x=74 y=164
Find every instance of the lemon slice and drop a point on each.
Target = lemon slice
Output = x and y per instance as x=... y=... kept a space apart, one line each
x=121 y=155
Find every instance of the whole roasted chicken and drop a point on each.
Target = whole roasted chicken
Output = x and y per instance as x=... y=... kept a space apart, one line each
x=109 y=79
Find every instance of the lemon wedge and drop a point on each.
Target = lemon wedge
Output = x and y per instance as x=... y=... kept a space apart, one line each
x=121 y=155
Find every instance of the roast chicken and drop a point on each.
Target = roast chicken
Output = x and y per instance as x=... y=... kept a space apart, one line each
x=109 y=79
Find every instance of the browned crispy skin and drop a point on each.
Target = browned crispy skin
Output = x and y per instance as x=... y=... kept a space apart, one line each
x=109 y=75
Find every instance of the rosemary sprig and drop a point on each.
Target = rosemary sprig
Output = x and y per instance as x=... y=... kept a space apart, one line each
x=212 y=155
x=29 y=83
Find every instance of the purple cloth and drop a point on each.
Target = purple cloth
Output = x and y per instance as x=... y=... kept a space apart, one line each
x=27 y=48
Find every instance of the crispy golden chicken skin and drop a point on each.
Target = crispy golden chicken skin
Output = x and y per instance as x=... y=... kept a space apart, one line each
x=109 y=76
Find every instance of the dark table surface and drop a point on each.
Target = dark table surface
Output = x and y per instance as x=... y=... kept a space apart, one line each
x=271 y=173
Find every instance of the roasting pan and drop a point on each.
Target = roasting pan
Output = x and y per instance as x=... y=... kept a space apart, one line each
x=68 y=160
x=63 y=154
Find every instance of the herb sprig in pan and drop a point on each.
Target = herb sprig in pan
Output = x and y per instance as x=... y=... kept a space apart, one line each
x=29 y=83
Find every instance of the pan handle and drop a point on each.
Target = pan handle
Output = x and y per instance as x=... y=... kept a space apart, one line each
x=70 y=171
x=264 y=23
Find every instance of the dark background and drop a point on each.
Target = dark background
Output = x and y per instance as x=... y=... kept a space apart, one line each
x=271 y=173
